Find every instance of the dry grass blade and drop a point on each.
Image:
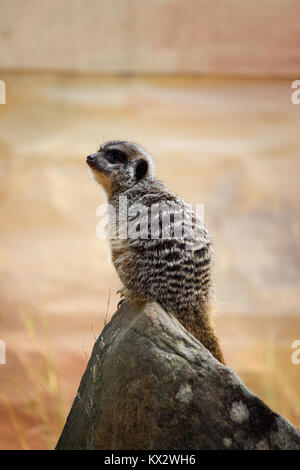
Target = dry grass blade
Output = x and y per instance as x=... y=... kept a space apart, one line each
x=107 y=307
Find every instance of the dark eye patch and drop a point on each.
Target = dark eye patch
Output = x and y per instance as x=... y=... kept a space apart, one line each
x=115 y=156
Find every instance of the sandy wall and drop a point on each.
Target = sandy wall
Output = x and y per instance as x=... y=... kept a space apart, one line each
x=257 y=37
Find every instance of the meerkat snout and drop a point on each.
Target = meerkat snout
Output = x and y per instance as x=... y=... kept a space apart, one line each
x=90 y=159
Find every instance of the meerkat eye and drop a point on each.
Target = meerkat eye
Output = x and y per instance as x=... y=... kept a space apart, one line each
x=141 y=168
x=115 y=156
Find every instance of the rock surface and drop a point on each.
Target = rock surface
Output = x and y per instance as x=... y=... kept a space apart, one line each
x=150 y=385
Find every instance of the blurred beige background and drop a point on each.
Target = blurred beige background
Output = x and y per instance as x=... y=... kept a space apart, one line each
x=205 y=87
x=160 y=36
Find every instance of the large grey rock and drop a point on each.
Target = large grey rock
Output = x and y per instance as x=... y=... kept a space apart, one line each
x=150 y=385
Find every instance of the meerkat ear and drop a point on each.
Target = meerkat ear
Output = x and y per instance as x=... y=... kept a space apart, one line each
x=141 y=168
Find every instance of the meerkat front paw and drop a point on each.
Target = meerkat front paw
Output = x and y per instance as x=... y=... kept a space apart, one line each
x=122 y=291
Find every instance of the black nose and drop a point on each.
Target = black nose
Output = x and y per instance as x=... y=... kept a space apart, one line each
x=90 y=159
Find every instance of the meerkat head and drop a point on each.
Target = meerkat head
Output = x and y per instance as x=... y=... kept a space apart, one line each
x=119 y=165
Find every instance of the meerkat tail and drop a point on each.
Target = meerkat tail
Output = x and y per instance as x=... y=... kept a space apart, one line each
x=206 y=335
x=199 y=325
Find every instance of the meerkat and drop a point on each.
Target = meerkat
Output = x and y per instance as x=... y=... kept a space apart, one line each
x=174 y=271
